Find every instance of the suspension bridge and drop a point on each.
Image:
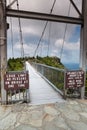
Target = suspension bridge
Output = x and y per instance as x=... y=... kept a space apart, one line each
x=40 y=91
x=5 y=10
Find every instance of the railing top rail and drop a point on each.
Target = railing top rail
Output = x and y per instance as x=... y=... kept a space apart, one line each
x=63 y=70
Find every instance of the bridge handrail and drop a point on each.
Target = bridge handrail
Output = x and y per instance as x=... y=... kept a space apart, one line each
x=53 y=75
x=49 y=67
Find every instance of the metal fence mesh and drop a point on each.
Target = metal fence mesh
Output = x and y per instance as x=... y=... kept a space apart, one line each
x=54 y=75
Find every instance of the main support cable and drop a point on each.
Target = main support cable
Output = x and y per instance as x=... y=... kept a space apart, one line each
x=64 y=34
x=20 y=30
x=49 y=38
x=44 y=29
x=11 y=33
x=12 y=37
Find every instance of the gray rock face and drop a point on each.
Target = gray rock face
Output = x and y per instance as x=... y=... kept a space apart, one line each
x=71 y=115
x=8 y=121
x=51 y=111
x=24 y=127
x=78 y=125
x=51 y=126
x=60 y=122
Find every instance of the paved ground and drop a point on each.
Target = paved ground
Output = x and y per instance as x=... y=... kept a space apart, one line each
x=71 y=115
x=40 y=91
x=55 y=115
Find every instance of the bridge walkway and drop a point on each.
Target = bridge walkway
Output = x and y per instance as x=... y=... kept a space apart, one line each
x=40 y=91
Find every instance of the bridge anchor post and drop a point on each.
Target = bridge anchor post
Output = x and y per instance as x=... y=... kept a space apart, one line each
x=83 y=44
x=3 y=49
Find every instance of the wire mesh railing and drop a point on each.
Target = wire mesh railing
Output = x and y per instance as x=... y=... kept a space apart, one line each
x=54 y=76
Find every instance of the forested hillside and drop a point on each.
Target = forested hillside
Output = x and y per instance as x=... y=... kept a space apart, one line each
x=50 y=61
x=18 y=63
x=15 y=64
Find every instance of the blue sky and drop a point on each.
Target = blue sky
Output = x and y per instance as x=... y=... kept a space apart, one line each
x=75 y=34
x=32 y=29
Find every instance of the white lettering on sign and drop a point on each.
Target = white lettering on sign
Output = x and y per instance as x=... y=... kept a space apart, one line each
x=16 y=80
x=11 y=86
x=21 y=85
x=74 y=79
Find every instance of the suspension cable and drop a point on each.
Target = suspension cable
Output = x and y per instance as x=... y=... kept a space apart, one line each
x=49 y=38
x=20 y=30
x=76 y=8
x=11 y=34
x=40 y=38
x=44 y=29
x=11 y=3
x=64 y=33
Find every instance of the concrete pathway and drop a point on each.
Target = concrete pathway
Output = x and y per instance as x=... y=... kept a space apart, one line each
x=71 y=115
x=40 y=91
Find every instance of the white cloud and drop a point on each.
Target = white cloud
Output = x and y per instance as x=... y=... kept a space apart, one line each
x=35 y=28
x=70 y=52
x=28 y=49
x=67 y=45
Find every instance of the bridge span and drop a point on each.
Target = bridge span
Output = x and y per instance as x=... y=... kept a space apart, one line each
x=40 y=91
